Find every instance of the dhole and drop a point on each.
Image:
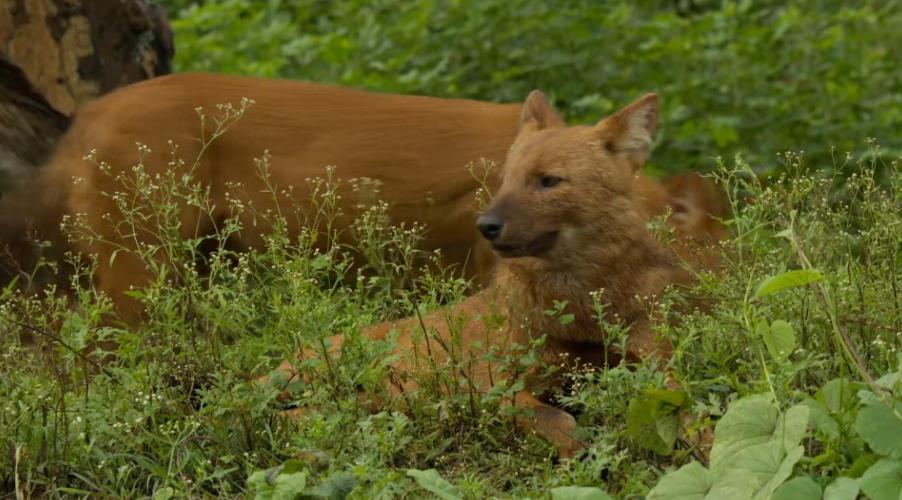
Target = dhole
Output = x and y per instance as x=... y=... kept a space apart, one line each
x=416 y=148
x=569 y=219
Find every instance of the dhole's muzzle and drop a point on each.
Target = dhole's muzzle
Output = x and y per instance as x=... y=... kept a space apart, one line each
x=508 y=238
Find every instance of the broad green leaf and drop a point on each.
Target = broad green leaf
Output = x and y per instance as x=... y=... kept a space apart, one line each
x=843 y=488
x=819 y=418
x=164 y=493
x=747 y=422
x=294 y=465
x=758 y=470
x=335 y=488
x=866 y=397
x=839 y=395
x=289 y=486
x=881 y=428
x=799 y=488
x=652 y=419
x=883 y=481
x=864 y=461
x=275 y=484
x=690 y=482
x=789 y=279
x=656 y=433
x=262 y=489
x=779 y=338
x=793 y=426
x=430 y=480
x=778 y=476
x=752 y=421
x=579 y=493
x=667 y=428
x=889 y=380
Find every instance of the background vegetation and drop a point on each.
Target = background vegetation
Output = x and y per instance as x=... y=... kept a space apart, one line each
x=735 y=76
x=796 y=361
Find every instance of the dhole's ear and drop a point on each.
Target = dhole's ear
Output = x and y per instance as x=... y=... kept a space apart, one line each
x=537 y=113
x=631 y=130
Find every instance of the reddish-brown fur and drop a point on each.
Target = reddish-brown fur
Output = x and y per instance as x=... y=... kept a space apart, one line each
x=586 y=232
x=416 y=148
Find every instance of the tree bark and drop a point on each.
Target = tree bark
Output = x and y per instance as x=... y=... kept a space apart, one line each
x=58 y=54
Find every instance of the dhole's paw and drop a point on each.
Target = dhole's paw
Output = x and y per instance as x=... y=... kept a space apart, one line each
x=558 y=427
x=555 y=425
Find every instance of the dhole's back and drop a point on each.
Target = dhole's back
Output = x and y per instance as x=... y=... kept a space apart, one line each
x=417 y=148
x=414 y=149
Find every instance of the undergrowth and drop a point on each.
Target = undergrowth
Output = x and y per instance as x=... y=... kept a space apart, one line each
x=798 y=334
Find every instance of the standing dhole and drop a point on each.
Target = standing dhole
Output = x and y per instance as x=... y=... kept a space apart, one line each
x=415 y=149
x=568 y=220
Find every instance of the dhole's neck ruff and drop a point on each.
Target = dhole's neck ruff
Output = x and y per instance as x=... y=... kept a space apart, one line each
x=621 y=273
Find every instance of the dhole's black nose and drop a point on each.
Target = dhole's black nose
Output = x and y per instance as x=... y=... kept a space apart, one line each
x=490 y=226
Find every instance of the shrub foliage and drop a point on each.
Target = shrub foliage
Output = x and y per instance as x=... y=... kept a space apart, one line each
x=735 y=76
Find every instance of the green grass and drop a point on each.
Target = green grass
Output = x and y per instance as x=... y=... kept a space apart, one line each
x=173 y=410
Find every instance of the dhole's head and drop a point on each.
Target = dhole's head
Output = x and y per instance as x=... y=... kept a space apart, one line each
x=564 y=189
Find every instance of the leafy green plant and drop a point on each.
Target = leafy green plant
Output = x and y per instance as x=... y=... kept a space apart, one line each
x=578 y=493
x=653 y=419
x=431 y=481
x=290 y=480
x=755 y=450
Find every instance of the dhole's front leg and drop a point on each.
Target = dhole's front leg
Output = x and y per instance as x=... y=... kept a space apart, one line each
x=643 y=344
x=554 y=424
x=128 y=272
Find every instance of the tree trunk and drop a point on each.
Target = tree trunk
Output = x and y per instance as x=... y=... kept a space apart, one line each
x=58 y=54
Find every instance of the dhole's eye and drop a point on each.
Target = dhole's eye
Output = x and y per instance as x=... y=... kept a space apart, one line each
x=549 y=181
